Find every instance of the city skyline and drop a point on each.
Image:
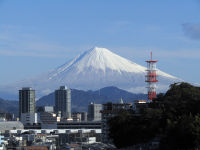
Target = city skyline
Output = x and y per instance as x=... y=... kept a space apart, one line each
x=45 y=34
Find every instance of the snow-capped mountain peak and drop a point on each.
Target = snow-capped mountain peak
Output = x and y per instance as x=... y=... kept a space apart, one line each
x=94 y=69
x=100 y=59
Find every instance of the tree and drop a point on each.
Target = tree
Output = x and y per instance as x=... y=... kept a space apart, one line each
x=173 y=116
x=185 y=134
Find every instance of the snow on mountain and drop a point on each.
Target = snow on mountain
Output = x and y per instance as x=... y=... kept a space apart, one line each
x=94 y=69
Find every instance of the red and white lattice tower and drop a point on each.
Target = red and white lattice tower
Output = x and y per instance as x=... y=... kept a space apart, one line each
x=151 y=78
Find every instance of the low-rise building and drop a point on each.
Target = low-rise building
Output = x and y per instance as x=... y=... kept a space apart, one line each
x=79 y=125
x=29 y=118
x=76 y=116
x=10 y=125
x=49 y=109
x=139 y=105
x=49 y=120
x=94 y=112
x=110 y=110
x=36 y=148
x=79 y=116
x=83 y=116
x=2 y=145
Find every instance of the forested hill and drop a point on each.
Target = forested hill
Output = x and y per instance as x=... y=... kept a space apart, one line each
x=174 y=118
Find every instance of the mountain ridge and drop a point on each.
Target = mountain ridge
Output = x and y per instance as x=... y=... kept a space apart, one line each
x=81 y=99
x=93 y=69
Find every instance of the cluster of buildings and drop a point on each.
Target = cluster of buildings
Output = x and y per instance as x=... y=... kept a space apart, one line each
x=49 y=127
x=49 y=139
x=49 y=117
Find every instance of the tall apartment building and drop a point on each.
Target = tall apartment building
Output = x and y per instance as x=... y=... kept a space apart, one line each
x=94 y=112
x=111 y=110
x=26 y=101
x=63 y=102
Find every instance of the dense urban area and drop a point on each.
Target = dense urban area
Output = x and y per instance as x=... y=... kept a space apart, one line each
x=164 y=123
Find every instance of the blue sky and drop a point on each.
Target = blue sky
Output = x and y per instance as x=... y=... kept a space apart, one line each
x=37 y=36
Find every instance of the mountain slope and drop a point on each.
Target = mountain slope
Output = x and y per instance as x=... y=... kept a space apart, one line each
x=81 y=99
x=9 y=106
x=94 y=69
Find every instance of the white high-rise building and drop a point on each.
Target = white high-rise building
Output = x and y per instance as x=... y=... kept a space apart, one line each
x=63 y=102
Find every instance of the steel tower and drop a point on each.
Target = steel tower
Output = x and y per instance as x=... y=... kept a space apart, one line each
x=151 y=78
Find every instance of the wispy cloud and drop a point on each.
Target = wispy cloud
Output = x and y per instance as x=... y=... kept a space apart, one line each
x=17 y=42
x=24 y=53
x=159 y=52
x=180 y=53
x=117 y=26
x=34 y=49
x=191 y=30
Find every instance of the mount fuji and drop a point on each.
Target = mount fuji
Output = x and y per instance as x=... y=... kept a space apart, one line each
x=93 y=69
